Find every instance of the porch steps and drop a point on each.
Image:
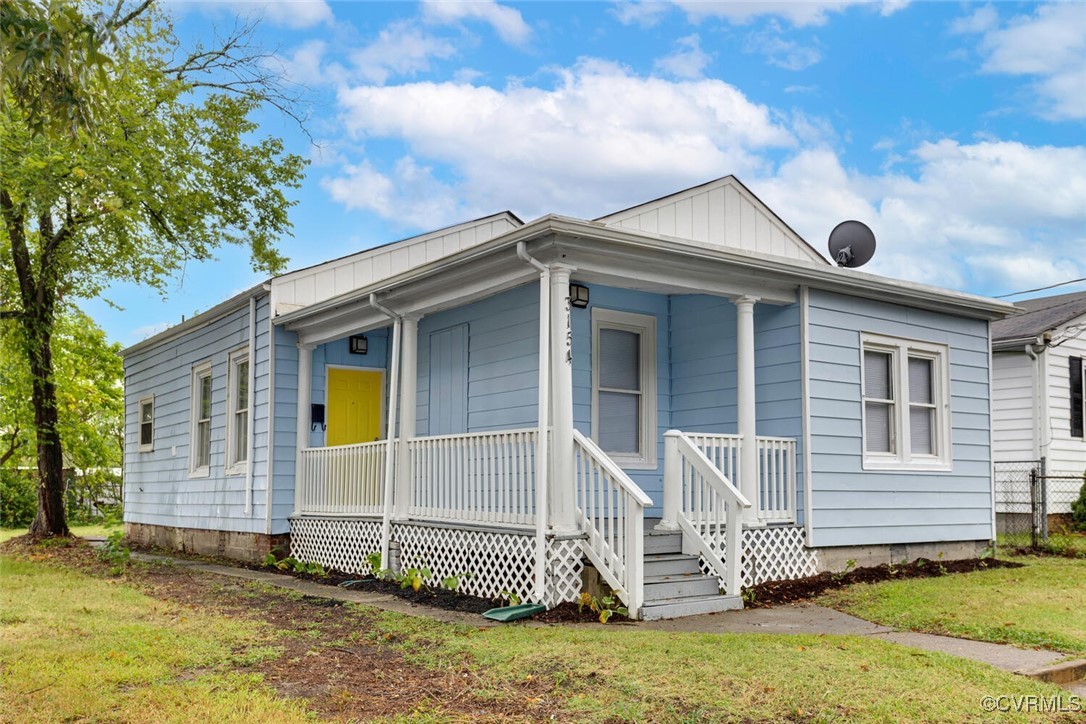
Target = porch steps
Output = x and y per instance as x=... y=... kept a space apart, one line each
x=674 y=583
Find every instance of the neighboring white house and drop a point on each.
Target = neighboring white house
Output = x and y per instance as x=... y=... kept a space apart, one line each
x=515 y=400
x=1037 y=389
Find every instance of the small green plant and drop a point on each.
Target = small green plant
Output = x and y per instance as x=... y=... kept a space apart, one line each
x=115 y=552
x=290 y=563
x=512 y=598
x=453 y=582
x=605 y=607
x=840 y=575
x=940 y=565
x=1078 y=508
x=414 y=578
x=749 y=596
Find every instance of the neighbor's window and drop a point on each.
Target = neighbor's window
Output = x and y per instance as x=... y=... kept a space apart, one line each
x=147 y=424
x=906 y=411
x=237 y=420
x=1078 y=404
x=200 y=440
x=624 y=386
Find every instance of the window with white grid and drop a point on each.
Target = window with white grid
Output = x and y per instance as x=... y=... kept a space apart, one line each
x=624 y=386
x=237 y=415
x=200 y=434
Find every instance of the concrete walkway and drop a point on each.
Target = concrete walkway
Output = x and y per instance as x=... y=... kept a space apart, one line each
x=791 y=619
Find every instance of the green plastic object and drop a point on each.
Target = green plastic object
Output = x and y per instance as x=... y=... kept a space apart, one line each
x=514 y=613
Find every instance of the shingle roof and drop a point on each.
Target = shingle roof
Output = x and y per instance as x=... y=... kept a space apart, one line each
x=1042 y=314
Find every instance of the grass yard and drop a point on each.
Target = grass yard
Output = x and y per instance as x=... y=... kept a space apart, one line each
x=83 y=531
x=165 y=643
x=1041 y=605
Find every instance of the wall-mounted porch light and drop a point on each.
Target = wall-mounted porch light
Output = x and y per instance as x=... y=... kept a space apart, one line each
x=359 y=344
x=578 y=295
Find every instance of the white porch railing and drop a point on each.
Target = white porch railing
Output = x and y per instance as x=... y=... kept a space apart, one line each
x=702 y=502
x=486 y=477
x=776 y=470
x=776 y=479
x=343 y=480
x=611 y=509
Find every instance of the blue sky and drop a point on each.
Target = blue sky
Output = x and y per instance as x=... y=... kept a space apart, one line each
x=957 y=131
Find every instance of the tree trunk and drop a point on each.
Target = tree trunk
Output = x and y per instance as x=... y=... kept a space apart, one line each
x=51 y=519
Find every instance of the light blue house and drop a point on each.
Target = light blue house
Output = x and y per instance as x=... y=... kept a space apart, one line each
x=706 y=380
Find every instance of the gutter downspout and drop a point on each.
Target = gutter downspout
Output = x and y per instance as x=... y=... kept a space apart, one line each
x=1040 y=411
x=251 y=384
x=542 y=450
x=390 y=441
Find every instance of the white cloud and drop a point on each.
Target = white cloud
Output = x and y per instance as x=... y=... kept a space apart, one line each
x=645 y=13
x=410 y=195
x=402 y=48
x=800 y=13
x=1049 y=45
x=507 y=22
x=593 y=142
x=306 y=65
x=297 y=13
x=687 y=61
x=782 y=53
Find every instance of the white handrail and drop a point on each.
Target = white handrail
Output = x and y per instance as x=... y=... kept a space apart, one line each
x=343 y=479
x=611 y=508
x=702 y=502
x=776 y=479
x=479 y=477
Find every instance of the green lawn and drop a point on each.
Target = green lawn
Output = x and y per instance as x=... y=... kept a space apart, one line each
x=83 y=531
x=1040 y=605
x=1060 y=544
x=80 y=647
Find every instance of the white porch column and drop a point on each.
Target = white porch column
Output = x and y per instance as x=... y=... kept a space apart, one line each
x=409 y=356
x=563 y=490
x=305 y=394
x=747 y=414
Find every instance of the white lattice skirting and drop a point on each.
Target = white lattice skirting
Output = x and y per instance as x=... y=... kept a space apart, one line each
x=489 y=564
x=342 y=544
x=773 y=553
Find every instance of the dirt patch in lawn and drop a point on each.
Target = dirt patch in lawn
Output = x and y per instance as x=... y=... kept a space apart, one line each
x=773 y=593
x=336 y=656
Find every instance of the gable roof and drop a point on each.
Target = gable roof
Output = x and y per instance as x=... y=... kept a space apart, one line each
x=722 y=213
x=1043 y=314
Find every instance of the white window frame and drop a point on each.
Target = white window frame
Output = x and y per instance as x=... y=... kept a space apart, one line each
x=234 y=466
x=144 y=401
x=199 y=371
x=645 y=326
x=902 y=457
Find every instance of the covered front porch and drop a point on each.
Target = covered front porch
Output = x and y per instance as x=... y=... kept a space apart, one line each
x=457 y=486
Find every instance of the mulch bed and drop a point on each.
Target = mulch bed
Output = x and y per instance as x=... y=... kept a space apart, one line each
x=773 y=593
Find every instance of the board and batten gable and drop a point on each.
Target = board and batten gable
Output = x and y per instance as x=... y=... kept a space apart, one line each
x=304 y=287
x=703 y=371
x=721 y=213
x=853 y=506
x=159 y=489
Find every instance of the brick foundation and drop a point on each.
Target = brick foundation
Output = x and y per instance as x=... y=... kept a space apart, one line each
x=248 y=547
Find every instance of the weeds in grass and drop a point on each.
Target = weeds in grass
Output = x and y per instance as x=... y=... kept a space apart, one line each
x=115 y=552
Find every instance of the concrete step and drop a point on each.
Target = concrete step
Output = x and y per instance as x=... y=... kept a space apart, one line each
x=670 y=587
x=670 y=564
x=669 y=541
x=692 y=606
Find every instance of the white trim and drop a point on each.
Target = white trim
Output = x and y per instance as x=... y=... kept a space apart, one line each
x=199 y=371
x=901 y=456
x=270 y=465
x=991 y=439
x=643 y=325
x=233 y=466
x=805 y=384
x=384 y=392
x=145 y=447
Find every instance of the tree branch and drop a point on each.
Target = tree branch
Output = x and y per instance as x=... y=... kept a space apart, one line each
x=14 y=443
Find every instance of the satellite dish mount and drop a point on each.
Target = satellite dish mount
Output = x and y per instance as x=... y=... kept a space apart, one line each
x=852 y=244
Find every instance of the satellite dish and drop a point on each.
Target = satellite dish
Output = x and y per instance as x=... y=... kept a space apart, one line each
x=852 y=243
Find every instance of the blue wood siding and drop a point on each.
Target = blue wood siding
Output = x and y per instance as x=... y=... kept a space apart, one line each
x=449 y=380
x=503 y=361
x=624 y=300
x=284 y=442
x=853 y=506
x=158 y=488
x=703 y=371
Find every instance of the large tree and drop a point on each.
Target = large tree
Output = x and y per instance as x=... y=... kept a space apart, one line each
x=123 y=156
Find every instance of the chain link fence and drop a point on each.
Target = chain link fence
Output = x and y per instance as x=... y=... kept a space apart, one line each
x=1033 y=503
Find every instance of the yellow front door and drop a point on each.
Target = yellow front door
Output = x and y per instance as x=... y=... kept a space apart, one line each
x=354 y=406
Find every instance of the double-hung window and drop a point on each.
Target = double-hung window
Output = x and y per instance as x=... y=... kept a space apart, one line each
x=147 y=424
x=200 y=434
x=906 y=410
x=624 y=386
x=1078 y=393
x=237 y=415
